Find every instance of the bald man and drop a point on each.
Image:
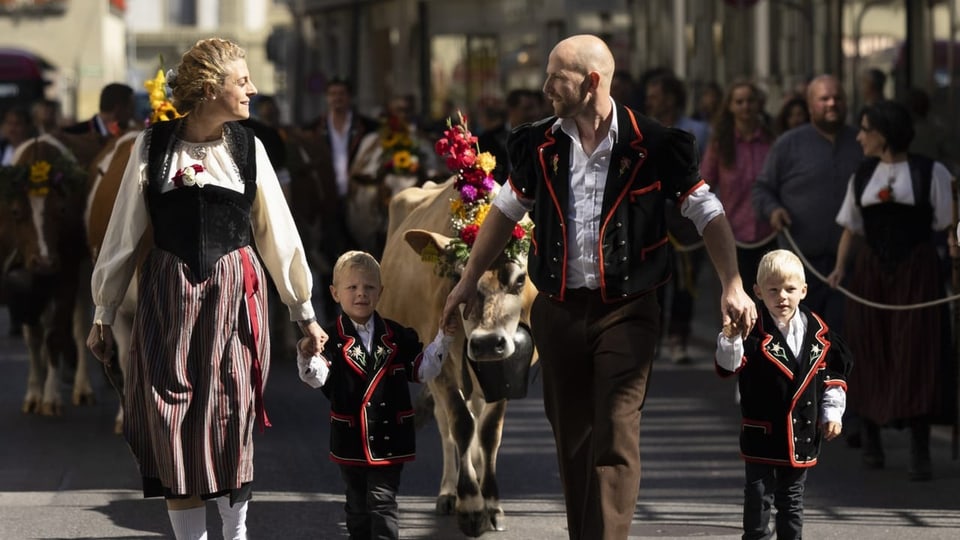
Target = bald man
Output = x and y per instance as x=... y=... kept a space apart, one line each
x=803 y=183
x=594 y=178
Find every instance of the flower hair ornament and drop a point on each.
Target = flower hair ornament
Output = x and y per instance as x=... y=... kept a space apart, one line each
x=163 y=108
x=475 y=189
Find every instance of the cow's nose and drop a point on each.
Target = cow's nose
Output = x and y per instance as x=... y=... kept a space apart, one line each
x=488 y=345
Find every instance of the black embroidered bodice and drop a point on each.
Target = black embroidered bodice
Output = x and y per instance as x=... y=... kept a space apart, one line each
x=199 y=224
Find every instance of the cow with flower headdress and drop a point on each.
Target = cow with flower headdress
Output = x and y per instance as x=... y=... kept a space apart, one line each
x=106 y=172
x=42 y=197
x=430 y=234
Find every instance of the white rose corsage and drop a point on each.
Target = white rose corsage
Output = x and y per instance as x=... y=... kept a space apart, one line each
x=189 y=176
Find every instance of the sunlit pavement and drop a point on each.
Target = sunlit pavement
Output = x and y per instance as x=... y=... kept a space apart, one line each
x=70 y=477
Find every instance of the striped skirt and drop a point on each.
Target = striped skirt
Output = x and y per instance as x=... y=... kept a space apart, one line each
x=189 y=388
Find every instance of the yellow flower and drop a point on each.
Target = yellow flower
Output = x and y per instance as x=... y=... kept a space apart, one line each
x=457 y=208
x=39 y=172
x=482 y=211
x=39 y=192
x=156 y=88
x=163 y=109
x=402 y=160
x=391 y=140
x=486 y=162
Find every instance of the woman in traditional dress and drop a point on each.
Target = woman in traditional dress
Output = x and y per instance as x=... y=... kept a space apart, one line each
x=200 y=353
x=894 y=205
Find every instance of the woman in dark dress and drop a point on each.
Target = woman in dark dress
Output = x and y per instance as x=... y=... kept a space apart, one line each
x=895 y=203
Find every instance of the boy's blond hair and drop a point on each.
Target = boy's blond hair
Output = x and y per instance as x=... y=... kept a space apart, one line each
x=780 y=263
x=356 y=260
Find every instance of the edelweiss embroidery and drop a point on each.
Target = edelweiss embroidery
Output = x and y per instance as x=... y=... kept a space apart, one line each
x=356 y=353
x=556 y=163
x=381 y=354
x=625 y=164
x=777 y=352
x=815 y=352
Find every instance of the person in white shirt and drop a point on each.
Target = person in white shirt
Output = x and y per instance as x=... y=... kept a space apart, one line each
x=595 y=178
x=792 y=377
x=201 y=348
x=365 y=372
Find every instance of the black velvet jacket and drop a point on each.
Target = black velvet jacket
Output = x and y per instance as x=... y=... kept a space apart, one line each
x=781 y=394
x=371 y=414
x=649 y=163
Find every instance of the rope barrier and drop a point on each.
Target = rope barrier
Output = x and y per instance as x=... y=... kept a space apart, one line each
x=854 y=297
x=686 y=248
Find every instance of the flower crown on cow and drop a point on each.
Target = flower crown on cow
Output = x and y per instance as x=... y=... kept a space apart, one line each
x=36 y=179
x=475 y=187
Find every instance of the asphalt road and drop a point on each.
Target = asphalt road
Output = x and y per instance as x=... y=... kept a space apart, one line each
x=70 y=477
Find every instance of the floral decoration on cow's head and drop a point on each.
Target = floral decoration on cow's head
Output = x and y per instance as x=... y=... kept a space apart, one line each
x=38 y=178
x=475 y=186
x=163 y=108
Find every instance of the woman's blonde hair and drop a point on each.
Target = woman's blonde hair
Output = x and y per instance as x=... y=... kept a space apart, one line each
x=202 y=68
x=782 y=264
x=360 y=260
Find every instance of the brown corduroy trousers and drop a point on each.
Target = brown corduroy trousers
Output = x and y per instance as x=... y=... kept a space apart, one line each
x=596 y=360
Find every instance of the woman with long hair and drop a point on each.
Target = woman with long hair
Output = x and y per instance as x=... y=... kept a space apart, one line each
x=738 y=147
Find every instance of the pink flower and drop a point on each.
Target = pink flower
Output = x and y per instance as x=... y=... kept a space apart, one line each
x=468 y=193
x=488 y=183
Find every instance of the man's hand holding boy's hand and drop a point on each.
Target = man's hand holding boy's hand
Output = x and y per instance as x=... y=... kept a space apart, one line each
x=831 y=430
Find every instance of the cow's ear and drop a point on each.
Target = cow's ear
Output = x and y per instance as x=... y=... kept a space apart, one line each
x=420 y=239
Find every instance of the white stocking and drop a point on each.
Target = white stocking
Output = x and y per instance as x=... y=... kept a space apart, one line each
x=234 y=518
x=189 y=524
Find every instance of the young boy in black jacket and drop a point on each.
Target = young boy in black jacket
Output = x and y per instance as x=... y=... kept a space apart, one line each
x=793 y=374
x=364 y=371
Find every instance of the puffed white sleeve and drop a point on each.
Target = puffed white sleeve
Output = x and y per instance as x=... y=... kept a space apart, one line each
x=729 y=355
x=128 y=222
x=278 y=241
x=941 y=197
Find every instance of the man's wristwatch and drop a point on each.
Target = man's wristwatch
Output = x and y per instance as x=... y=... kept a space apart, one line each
x=305 y=323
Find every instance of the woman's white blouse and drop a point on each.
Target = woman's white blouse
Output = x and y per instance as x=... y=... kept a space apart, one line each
x=274 y=232
x=941 y=197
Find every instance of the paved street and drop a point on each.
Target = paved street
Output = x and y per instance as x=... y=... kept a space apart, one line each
x=70 y=477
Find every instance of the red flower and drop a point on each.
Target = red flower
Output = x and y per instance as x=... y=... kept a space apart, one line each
x=885 y=194
x=469 y=234
x=519 y=232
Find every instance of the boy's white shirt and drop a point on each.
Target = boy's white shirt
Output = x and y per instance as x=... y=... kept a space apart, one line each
x=315 y=370
x=730 y=355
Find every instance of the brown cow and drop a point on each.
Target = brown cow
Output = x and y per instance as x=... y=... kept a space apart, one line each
x=106 y=172
x=47 y=271
x=414 y=295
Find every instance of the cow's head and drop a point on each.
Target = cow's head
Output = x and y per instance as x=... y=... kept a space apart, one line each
x=503 y=293
x=41 y=209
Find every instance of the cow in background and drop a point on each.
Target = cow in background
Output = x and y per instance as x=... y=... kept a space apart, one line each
x=414 y=295
x=106 y=172
x=46 y=272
